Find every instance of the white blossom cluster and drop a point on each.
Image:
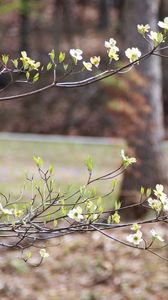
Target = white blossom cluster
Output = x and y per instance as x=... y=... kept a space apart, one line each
x=160 y=202
x=137 y=237
x=133 y=54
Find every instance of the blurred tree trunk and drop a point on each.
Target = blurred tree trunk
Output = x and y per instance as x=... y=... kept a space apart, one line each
x=146 y=140
x=24 y=24
x=56 y=28
x=162 y=14
x=104 y=17
x=63 y=21
x=119 y=6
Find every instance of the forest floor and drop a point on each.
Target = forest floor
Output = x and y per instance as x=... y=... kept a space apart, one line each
x=85 y=267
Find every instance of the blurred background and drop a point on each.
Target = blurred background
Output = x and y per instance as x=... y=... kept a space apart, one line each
x=128 y=109
x=39 y=26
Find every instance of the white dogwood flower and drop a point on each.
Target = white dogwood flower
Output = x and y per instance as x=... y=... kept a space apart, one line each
x=163 y=24
x=115 y=218
x=112 y=49
x=135 y=227
x=76 y=54
x=133 y=54
x=142 y=29
x=111 y=43
x=127 y=160
x=156 y=236
x=6 y=211
x=87 y=65
x=43 y=253
x=135 y=238
x=112 y=54
x=164 y=201
x=76 y=214
x=159 y=191
x=95 y=60
x=155 y=204
x=156 y=37
x=91 y=206
x=94 y=217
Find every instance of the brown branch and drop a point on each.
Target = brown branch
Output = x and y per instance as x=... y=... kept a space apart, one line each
x=79 y=83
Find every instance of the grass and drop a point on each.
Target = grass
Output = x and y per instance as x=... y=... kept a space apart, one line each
x=67 y=159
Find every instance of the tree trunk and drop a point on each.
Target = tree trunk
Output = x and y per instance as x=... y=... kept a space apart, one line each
x=119 y=6
x=162 y=14
x=103 y=21
x=24 y=25
x=146 y=140
x=63 y=21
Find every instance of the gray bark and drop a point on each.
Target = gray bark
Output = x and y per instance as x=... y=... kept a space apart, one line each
x=63 y=21
x=146 y=140
x=24 y=24
x=162 y=14
x=104 y=10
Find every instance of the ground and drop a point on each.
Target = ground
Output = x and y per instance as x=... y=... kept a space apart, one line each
x=85 y=267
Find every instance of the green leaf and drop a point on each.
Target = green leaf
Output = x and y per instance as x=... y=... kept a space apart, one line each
x=49 y=66
x=63 y=210
x=101 y=209
x=35 y=77
x=89 y=163
x=82 y=190
x=38 y=161
x=15 y=63
x=27 y=75
x=61 y=57
x=93 y=192
x=48 y=218
x=51 y=169
x=99 y=201
x=62 y=201
x=28 y=255
x=75 y=60
x=5 y=59
x=65 y=66
x=142 y=190
x=117 y=204
x=115 y=182
x=116 y=218
x=109 y=220
x=148 y=192
x=55 y=223
x=52 y=55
